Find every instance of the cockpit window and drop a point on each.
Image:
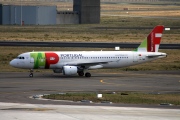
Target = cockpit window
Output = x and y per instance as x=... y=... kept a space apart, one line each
x=19 y=57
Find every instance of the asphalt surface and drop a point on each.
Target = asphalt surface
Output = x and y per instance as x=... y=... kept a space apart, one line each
x=83 y=44
x=18 y=87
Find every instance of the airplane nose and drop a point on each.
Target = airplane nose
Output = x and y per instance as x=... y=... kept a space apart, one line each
x=12 y=63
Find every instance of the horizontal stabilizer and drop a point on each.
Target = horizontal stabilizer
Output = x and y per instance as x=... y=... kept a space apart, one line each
x=156 y=55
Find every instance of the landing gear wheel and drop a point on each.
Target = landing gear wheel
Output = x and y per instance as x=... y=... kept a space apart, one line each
x=31 y=75
x=88 y=74
x=81 y=73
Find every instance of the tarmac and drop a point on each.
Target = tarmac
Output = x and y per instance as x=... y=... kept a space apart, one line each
x=16 y=88
x=16 y=111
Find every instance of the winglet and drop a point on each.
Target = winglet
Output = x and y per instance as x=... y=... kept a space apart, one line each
x=151 y=44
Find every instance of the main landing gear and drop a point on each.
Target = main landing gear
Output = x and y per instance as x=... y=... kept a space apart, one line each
x=81 y=73
x=86 y=74
x=31 y=73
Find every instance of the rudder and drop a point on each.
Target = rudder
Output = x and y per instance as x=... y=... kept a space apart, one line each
x=152 y=42
x=154 y=39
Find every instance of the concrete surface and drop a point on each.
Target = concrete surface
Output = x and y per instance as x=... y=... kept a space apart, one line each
x=17 y=111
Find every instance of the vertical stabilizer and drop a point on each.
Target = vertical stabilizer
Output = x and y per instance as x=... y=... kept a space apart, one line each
x=152 y=42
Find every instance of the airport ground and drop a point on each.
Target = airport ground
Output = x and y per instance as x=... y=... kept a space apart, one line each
x=14 y=111
x=16 y=89
x=160 y=76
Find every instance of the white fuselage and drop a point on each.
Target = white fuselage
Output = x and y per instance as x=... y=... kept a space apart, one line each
x=90 y=59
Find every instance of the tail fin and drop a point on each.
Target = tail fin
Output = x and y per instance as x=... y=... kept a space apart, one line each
x=152 y=42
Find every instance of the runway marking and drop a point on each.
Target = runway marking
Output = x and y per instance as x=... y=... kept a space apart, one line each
x=102 y=81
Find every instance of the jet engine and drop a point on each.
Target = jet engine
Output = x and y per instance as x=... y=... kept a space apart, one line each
x=70 y=70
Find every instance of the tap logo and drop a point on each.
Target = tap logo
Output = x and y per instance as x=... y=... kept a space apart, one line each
x=44 y=59
x=51 y=58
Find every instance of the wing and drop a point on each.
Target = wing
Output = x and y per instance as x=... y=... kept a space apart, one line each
x=87 y=64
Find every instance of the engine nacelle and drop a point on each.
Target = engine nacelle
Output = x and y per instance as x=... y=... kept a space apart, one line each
x=70 y=70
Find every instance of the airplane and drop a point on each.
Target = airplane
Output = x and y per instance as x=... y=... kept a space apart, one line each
x=80 y=62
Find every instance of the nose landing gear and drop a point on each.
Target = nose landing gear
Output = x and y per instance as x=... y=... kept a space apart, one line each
x=31 y=73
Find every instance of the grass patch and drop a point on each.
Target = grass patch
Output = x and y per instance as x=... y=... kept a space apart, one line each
x=120 y=97
x=84 y=33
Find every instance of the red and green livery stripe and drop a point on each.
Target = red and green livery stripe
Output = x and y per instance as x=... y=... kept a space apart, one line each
x=44 y=59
